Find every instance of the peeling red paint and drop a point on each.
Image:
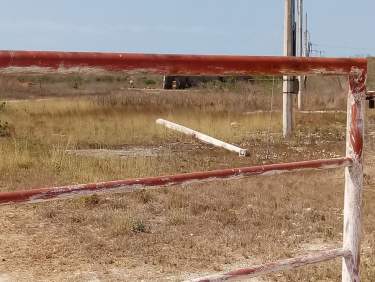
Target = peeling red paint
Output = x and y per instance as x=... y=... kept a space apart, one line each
x=357 y=80
x=182 y=64
x=357 y=83
x=133 y=184
x=293 y=263
x=354 y=175
x=356 y=137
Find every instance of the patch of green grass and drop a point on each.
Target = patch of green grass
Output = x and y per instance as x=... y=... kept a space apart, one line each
x=149 y=82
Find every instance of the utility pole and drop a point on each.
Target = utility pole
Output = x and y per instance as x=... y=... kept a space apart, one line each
x=306 y=51
x=300 y=52
x=288 y=85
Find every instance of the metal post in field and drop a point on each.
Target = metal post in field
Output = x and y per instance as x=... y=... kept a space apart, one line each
x=300 y=50
x=354 y=175
x=288 y=87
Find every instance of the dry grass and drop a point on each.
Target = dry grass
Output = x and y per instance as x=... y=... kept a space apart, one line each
x=176 y=232
x=36 y=154
x=371 y=70
x=205 y=227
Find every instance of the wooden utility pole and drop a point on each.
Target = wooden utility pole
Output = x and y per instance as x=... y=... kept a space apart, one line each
x=288 y=86
x=300 y=51
x=299 y=42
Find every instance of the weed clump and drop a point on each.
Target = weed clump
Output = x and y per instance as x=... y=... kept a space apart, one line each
x=138 y=226
x=178 y=217
x=5 y=129
x=144 y=197
x=150 y=82
x=125 y=224
x=91 y=201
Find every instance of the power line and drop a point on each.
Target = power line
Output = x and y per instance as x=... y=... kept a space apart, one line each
x=345 y=47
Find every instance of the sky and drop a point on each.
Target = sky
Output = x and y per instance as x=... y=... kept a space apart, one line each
x=243 y=27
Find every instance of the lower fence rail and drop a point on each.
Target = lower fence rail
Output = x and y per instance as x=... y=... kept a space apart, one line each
x=282 y=265
x=130 y=185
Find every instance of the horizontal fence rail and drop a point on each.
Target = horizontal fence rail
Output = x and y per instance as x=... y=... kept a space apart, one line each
x=181 y=64
x=128 y=185
x=282 y=265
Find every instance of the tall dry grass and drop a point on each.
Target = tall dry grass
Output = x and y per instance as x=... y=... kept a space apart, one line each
x=36 y=152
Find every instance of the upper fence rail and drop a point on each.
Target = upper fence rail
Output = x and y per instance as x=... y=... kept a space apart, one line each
x=181 y=64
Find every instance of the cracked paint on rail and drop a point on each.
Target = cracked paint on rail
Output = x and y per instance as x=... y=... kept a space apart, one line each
x=181 y=64
x=51 y=193
x=288 y=264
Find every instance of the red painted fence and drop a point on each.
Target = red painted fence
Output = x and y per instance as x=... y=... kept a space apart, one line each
x=356 y=69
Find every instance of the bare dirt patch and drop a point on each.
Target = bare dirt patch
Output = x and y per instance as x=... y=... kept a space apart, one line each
x=142 y=151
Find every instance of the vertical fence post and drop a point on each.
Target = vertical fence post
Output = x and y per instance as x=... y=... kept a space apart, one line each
x=354 y=175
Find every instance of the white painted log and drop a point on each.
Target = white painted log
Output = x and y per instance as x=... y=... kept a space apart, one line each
x=354 y=175
x=202 y=137
x=282 y=265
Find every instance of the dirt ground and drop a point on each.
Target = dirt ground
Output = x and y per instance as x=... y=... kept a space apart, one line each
x=175 y=233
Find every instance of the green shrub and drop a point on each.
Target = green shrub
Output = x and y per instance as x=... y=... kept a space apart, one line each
x=4 y=126
x=149 y=82
x=4 y=129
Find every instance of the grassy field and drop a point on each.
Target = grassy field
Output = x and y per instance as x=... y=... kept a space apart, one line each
x=172 y=233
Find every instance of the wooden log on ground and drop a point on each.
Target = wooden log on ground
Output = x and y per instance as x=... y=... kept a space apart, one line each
x=203 y=137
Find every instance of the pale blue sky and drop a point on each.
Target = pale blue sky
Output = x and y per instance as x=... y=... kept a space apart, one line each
x=340 y=27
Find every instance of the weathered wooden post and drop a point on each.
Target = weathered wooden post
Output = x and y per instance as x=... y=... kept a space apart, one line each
x=288 y=86
x=354 y=174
